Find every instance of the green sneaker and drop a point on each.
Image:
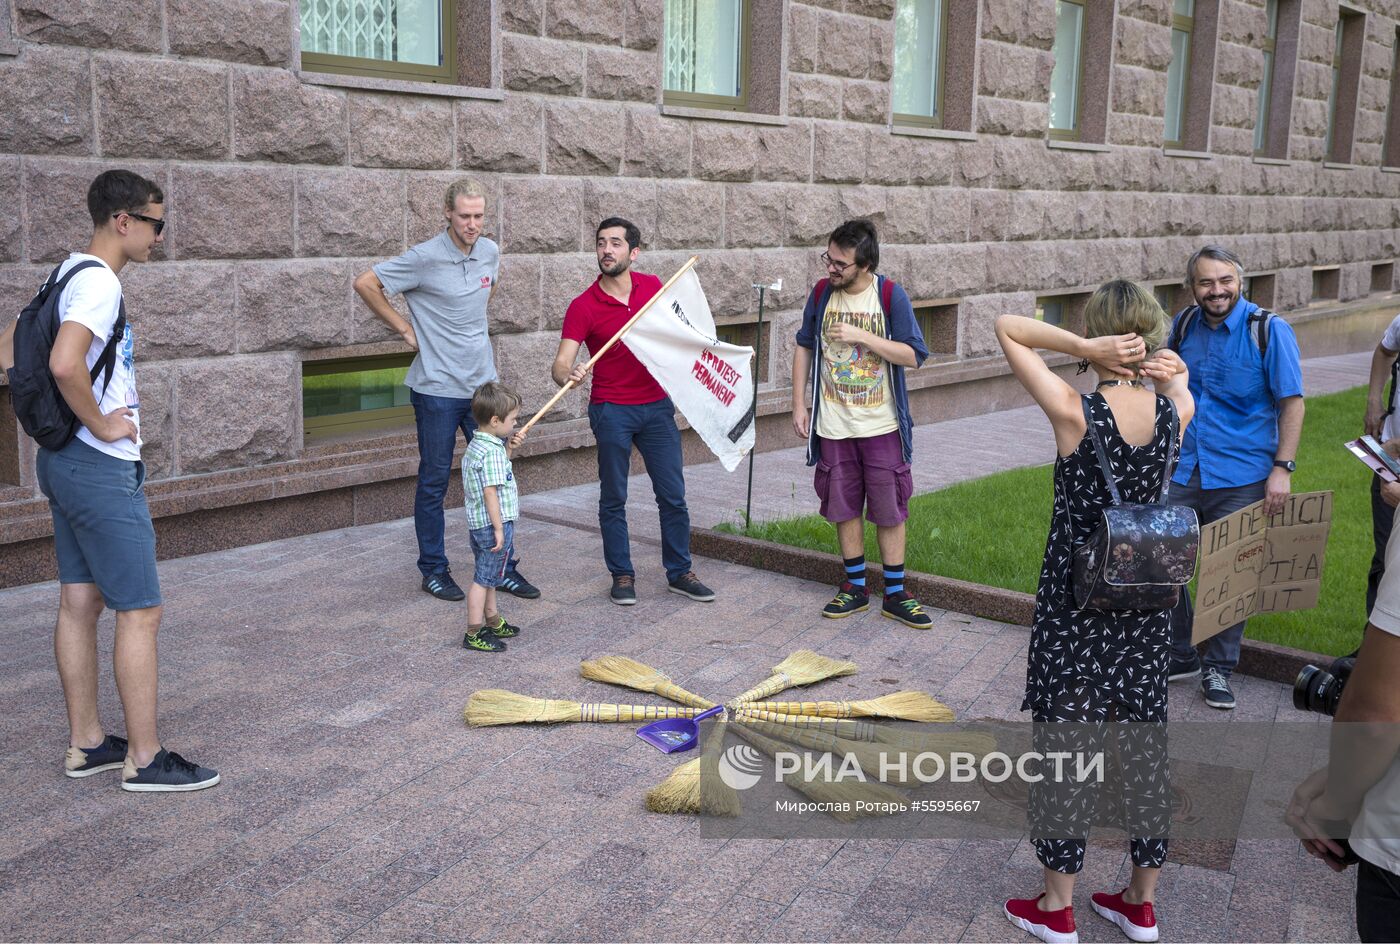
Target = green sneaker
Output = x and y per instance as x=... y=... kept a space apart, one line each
x=484 y=640
x=849 y=599
x=903 y=607
x=502 y=630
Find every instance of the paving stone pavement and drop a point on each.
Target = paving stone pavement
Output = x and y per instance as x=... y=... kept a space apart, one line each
x=357 y=806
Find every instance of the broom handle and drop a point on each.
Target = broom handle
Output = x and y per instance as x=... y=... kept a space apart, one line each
x=769 y=686
x=815 y=709
x=622 y=713
x=588 y=365
x=851 y=730
x=675 y=693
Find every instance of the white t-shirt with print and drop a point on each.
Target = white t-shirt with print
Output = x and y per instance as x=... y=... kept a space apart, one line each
x=1391 y=342
x=93 y=299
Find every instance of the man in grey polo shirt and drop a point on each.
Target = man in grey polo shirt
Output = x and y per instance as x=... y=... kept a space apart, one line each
x=447 y=282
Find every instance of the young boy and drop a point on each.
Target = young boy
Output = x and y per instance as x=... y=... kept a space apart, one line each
x=493 y=504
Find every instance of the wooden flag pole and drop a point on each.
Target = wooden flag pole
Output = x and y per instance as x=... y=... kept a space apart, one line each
x=588 y=365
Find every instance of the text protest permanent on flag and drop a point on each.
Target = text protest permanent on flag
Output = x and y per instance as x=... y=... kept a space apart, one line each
x=710 y=381
x=1252 y=564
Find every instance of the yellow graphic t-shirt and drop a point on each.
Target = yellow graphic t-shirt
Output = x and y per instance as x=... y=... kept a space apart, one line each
x=856 y=400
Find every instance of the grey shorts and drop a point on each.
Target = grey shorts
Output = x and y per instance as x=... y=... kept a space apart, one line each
x=102 y=530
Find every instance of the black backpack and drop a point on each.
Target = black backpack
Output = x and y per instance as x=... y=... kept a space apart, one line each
x=34 y=393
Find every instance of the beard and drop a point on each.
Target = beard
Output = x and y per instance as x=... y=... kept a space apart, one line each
x=617 y=268
x=1219 y=307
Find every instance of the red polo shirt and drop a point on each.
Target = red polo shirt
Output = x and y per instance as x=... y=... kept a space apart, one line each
x=593 y=318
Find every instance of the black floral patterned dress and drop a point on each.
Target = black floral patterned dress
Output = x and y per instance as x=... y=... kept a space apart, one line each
x=1095 y=666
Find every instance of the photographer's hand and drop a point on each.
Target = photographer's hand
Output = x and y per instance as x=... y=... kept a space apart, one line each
x=1307 y=814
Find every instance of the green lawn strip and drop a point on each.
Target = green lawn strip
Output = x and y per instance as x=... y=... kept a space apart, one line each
x=992 y=530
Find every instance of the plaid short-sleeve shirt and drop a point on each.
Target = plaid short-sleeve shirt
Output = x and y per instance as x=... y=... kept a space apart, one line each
x=486 y=463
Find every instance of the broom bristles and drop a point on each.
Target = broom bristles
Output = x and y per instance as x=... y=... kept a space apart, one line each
x=803 y=667
x=840 y=793
x=695 y=786
x=493 y=706
x=679 y=792
x=629 y=673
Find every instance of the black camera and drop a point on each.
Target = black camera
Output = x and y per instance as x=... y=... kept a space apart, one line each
x=1319 y=690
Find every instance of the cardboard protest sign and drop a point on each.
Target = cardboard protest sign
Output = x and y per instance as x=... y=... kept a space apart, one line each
x=1255 y=564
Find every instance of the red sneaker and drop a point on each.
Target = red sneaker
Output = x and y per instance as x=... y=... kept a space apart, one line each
x=1136 y=921
x=1052 y=927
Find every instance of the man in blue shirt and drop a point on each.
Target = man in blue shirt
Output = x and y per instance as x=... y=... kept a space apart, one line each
x=1241 y=445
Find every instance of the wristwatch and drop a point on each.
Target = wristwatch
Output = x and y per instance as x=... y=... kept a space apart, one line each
x=1286 y=464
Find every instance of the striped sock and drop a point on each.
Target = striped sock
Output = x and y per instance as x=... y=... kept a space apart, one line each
x=855 y=571
x=894 y=578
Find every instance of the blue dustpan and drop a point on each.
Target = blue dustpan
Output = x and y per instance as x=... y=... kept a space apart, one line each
x=675 y=734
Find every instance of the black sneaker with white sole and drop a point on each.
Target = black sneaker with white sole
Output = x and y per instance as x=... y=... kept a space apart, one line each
x=168 y=772
x=86 y=761
x=1215 y=684
x=689 y=585
x=1182 y=669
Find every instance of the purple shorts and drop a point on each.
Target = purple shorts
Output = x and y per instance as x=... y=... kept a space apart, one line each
x=864 y=475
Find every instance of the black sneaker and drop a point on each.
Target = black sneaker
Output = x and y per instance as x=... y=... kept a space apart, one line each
x=86 y=761
x=1216 y=686
x=483 y=641
x=624 y=590
x=689 y=585
x=903 y=607
x=1184 y=668
x=167 y=773
x=502 y=630
x=849 y=599
x=442 y=586
x=515 y=584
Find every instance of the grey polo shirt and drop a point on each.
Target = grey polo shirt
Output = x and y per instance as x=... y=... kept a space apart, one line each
x=446 y=293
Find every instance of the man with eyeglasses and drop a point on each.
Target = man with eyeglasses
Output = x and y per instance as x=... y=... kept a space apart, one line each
x=858 y=336
x=447 y=281
x=102 y=531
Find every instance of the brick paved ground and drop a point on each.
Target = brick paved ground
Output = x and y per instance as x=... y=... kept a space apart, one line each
x=357 y=806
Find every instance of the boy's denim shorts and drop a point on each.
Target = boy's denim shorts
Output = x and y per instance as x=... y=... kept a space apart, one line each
x=102 y=530
x=491 y=565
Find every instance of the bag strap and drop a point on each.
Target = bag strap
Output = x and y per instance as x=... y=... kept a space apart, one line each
x=1099 y=449
x=107 y=361
x=886 y=298
x=1172 y=450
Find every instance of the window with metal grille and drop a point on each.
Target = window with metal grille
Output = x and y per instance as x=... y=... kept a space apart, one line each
x=706 y=53
x=400 y=39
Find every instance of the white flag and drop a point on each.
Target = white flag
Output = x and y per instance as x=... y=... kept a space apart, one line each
x=711 y=382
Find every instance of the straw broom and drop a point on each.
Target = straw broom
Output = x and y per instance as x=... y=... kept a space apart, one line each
x=496 y=706
x=629 y=673
x=838 y=793
x=934 y=741
x=695 y=786
x=905 y=706
x=803 y=667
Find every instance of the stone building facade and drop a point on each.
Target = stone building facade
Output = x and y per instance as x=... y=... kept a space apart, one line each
x=282 y=183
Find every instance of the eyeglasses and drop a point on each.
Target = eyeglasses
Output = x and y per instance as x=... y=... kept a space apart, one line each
x=831 y=263
x=157 y=225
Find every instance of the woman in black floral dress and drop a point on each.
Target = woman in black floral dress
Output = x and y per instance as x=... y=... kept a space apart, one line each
x=1087 y=666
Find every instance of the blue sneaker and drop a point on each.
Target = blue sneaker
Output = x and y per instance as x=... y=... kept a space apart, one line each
x=85 y=761
x=1216 y=687
x=167 y=772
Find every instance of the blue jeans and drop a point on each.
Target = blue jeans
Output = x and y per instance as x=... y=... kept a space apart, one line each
x=437 y=419
x=651 y=427
x=1223 y=649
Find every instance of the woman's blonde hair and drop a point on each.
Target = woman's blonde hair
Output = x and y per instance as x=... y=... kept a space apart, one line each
x=1124 y=307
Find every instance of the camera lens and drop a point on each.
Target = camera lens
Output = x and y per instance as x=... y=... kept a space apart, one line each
x=1317 y=690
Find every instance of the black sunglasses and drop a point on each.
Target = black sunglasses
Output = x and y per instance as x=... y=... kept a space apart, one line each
x=157 y=225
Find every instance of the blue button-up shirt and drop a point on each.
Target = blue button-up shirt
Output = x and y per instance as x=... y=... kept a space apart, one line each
x=1234 y=435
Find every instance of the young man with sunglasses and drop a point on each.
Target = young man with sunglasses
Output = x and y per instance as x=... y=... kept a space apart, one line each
x=103 y=536
x=858 y=336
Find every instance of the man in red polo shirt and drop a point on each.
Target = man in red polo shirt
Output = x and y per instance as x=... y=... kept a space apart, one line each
x=627 y=408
